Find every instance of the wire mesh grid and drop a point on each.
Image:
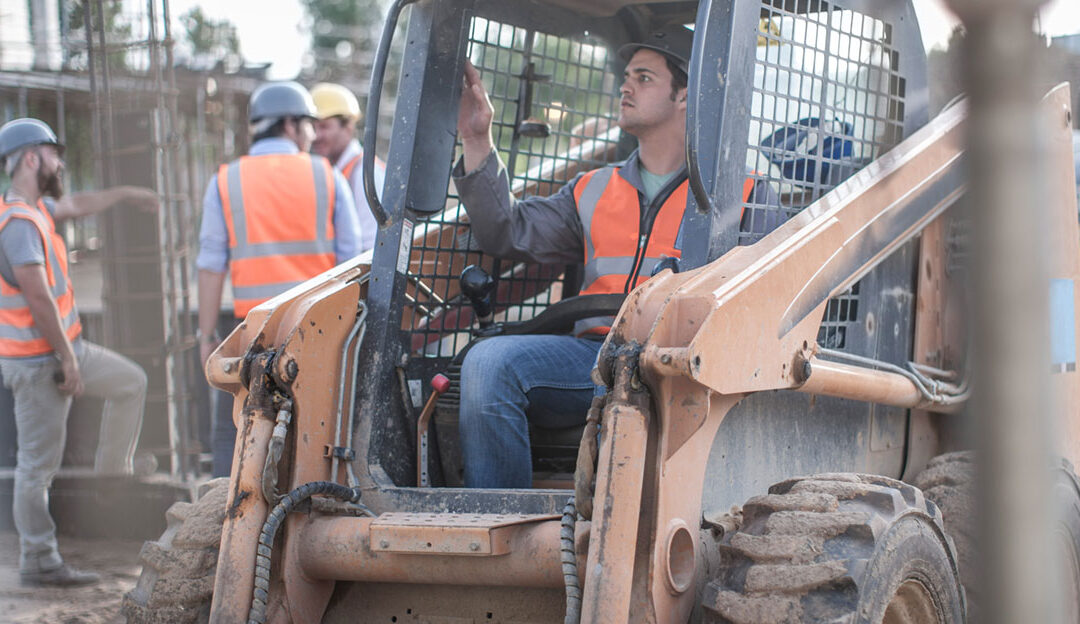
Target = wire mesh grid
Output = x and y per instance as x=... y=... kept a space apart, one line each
x=828 y=98
x=555 y=101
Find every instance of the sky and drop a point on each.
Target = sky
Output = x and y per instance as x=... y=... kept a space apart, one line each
x=276 y=31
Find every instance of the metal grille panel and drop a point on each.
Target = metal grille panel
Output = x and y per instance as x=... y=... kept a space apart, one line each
x=828 y=99
x=840 y=312
x=534 y=79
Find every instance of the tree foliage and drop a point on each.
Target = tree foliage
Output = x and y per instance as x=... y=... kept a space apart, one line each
x=208 y=36
x=344 y=35
x=109 y=19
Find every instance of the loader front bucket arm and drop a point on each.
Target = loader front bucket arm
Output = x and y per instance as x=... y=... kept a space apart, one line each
x=279 y=352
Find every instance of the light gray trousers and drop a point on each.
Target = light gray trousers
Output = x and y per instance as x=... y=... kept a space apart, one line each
x=41 y=413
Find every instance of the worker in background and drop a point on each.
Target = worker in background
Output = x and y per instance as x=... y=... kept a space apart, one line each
x=596 y=217
x=335 y=138
x=43 y=358
x=271 y=220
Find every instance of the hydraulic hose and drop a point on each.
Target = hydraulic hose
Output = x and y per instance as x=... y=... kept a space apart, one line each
x=273 y=452
x=257 y=614
x=568 y=555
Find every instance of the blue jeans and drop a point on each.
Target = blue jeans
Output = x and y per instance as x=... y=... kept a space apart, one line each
x=505 y=382
x=222 y=432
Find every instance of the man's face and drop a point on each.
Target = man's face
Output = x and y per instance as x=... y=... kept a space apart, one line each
x=301 y=131
x=50 y=173
x=332 y=136
x=646 y=93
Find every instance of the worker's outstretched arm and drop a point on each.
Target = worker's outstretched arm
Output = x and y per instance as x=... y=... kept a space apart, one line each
x=35 y=289
x=92 y=202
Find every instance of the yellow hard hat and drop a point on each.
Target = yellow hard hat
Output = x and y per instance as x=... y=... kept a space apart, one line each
x=332 y=100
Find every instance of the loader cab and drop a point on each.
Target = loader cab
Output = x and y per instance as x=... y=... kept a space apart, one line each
x=793 y=95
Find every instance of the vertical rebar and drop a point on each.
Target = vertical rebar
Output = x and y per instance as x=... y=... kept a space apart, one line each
x=106 y=115
x=185 y=324
x=163 y=173
x=61 y=111
x=1011 y=407
x=95 y=96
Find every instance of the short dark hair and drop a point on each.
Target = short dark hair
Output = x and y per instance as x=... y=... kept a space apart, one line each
x=678 y=76
x=275 y=130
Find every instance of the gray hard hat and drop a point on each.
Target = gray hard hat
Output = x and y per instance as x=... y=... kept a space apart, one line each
x=674 y=41
x=274 y=100
x=19 y=133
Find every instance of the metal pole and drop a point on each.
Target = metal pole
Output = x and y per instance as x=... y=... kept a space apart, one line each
x=1011 y=405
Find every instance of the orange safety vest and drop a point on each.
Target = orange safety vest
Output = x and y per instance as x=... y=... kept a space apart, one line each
x=18 y=335
x=279 y=213
x=610 y=215
x=347 y=170
x=609 y=210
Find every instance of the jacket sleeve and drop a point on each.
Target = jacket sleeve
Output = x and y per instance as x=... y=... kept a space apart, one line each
x=346 y=223
x=538 y=229
x=213 y=233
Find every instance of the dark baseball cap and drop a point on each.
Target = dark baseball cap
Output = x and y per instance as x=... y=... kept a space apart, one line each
x=673 y=41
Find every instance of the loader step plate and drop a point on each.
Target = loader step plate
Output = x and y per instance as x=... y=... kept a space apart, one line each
x=448 y=534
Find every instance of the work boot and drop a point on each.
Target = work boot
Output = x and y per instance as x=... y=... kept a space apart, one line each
x=64 y=576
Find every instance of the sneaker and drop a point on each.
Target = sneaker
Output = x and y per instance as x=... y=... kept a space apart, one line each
x=64 y=576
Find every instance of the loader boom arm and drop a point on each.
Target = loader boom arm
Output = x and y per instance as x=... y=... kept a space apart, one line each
x=775 y=291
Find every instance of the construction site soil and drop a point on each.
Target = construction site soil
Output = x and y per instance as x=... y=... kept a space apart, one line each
x=116 y=560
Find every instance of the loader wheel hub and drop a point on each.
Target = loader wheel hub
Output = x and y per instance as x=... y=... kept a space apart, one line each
x=911 y=604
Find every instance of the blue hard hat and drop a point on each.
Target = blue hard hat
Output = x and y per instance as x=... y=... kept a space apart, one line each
x=19 y=133
x=280 y=99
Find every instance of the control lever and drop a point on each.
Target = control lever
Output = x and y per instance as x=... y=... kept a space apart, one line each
x=666 y=262
x=439 y=384
x=478 y=287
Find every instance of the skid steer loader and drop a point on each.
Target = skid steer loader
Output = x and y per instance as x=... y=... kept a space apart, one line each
x=764 y=405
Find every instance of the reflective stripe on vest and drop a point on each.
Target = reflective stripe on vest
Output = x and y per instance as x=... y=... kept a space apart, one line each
x=19 y=337
x=279 y=213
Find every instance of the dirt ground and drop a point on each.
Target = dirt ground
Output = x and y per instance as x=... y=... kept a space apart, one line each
x=115 y=559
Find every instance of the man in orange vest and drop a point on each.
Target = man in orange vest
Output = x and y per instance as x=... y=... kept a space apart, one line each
x=43 y=358
x=271 y=220
x=335 y=139
x=621 y=220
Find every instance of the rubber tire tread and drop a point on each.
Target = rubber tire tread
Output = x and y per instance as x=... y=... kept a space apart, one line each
x=949 y=481
x=831 y=548
x=177 y=580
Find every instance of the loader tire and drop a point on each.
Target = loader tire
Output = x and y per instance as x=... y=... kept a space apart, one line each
x=1067 y=538
x=177 y=579
x=844 y=547
x=949 y=481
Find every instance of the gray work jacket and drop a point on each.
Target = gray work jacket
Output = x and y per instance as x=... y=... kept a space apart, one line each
x=546 y=230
